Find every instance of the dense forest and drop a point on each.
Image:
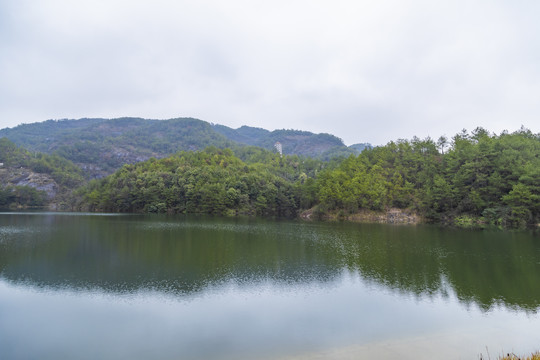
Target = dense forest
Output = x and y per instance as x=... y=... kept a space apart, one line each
x=213 y=181
x=473 y=179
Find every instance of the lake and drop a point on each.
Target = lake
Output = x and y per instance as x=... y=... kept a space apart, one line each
x=105 y=286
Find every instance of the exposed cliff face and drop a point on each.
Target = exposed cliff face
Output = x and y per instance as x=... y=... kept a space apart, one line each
x=10 y=176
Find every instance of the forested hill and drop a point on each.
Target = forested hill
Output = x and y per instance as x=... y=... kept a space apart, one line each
x=361 y=147
x=294 y=142
x=212 y=181
x=474 y=179
x=101 y=146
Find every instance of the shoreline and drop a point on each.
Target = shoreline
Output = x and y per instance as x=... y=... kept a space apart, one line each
x=390 y=216
x=451 y=345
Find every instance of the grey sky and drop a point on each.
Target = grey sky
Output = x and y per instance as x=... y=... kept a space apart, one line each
x=366 y=71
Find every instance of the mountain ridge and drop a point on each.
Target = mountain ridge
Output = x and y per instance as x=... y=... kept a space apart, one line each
x=100 y=146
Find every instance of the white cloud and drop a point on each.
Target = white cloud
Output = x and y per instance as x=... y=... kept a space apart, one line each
x=362 y=70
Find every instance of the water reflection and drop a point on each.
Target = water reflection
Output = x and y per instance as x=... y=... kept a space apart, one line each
x=186 y=255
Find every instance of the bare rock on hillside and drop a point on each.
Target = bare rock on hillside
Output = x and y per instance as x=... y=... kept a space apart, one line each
x=26 y=177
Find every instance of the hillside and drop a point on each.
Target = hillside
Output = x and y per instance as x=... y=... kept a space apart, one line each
x=101 y=146
x=482 y=180
x=294 y=142
x=34 y=179
x=361 y=147
x=212 y=181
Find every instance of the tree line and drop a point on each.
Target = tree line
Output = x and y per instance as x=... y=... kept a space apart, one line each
x=472 y=178
x=475 y=177
x=213 y=181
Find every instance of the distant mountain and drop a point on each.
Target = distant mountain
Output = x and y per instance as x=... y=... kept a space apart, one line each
x=361 y=147
x=243 y=135
x=295 y=142
x=101 y=146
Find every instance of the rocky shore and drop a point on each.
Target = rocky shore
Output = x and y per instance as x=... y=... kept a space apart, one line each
x=390 y=216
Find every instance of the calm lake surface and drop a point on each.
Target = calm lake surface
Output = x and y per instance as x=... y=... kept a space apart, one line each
x=87 y=286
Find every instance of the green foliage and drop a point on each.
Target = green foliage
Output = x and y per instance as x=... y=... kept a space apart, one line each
x=213 y=181
x=476 y=179
x=472 y=178
x=485 y=177
x=63 y=171
x=466 y=221
x=18 y=161
x=21 y=196
x=11 y=155
x=102 y=146
x=360 y=147
x=304 y=143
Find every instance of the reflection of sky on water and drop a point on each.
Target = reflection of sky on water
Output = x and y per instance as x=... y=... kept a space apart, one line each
x=161 y=287
x=234 y=321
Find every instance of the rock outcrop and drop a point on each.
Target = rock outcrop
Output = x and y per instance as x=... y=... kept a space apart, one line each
x=26 y=177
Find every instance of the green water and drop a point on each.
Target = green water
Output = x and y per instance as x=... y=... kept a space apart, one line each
x=169 y=287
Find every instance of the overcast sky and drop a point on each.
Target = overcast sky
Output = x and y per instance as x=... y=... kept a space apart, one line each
x=365 y=71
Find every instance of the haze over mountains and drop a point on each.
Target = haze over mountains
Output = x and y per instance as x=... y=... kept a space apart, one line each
x=100 y=146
